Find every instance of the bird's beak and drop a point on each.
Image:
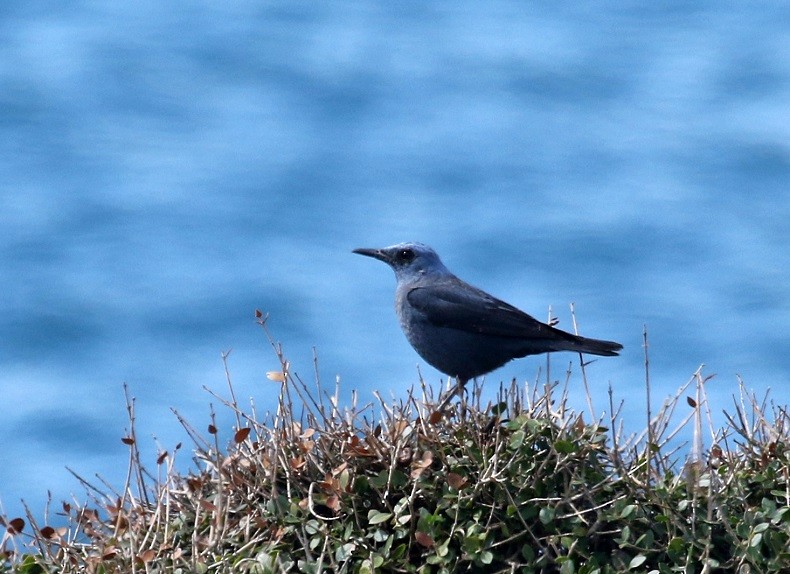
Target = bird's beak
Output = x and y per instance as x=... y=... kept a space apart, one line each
x=374 y=253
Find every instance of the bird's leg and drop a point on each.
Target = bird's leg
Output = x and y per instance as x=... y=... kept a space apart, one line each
x=460 y=387
x=447 y=398
x=456 y=390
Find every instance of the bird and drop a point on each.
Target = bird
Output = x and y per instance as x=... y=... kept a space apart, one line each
x=461 y=330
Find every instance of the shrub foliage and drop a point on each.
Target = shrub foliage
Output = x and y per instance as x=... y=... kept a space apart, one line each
x=522 y=485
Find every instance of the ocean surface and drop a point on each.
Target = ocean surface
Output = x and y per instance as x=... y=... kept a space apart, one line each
x=168 y=168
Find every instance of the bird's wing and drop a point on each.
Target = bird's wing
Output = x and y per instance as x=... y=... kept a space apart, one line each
x=467 y=308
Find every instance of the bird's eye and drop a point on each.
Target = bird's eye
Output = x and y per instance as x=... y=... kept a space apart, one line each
x=405 y=255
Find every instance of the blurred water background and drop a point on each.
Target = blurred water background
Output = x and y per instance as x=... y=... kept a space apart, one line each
x=167 y=168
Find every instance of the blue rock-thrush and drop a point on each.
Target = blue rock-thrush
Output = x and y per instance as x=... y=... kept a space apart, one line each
x=460 y=330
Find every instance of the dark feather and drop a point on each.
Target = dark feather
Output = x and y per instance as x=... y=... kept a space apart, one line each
x=469 y=309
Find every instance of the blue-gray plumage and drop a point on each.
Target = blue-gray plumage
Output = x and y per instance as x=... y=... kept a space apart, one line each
x=460 y=330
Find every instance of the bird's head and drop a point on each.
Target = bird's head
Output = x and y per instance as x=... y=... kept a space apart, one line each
x=410 y=261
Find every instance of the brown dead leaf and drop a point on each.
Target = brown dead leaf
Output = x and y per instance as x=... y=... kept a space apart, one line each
x=109 y=553
x=48 y=532
x=357 y=448
x=333 y=503
x=419 y=466
x=400 y=427
x=424 y=539
x=241 y=435
x=456 y=481
x=230 y=460
x=195 y=483
x=148 y=555
x=206 y=505
x=330 y=484
x=121 y=523
x=87 y=515
x=15 y=526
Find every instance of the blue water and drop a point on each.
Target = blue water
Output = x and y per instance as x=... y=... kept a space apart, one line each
x=167 y=169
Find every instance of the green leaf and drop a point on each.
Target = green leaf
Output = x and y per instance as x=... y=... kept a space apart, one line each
x=343 y=478
x=564 y=446
x=627 y=511
x=768 y=505
x=312 y=526
x=676 y=545
x=28 y=566
x=499 y=408
x=344 y=552
x=646 y=540
x=380 y=480
x=518 y=422
x=637 y=561
x=762 y=527
x=443 y=548
x=546 y=515
x=625 y=534
x=778 y=514
x=534 y=425
x=517 y=440
x=376 y=517
x=528 y=553
x=568 y=567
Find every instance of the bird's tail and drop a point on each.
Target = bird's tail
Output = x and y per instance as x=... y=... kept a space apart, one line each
x=592 y=346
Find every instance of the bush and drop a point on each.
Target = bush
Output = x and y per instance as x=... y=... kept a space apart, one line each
x=522 y=485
